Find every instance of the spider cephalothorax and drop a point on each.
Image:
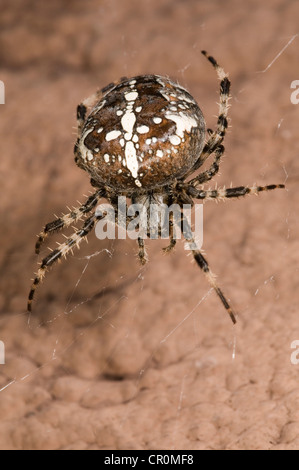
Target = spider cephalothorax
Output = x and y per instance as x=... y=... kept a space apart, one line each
x=143 y=138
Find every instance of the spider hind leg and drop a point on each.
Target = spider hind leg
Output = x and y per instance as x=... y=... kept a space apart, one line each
x=204 y=266
x=62 y=250
x=67 y=219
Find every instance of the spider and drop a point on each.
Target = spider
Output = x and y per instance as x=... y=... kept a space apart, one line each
x=143 y=138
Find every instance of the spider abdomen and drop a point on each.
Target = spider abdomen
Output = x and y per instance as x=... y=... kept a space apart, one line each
x=141 y=136
x=144 y=133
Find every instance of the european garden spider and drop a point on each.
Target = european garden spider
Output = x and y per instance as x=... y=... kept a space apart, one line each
x=142 y=139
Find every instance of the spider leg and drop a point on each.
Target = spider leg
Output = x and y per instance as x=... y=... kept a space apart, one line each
x=216 y=137
x=172 y=242
x=210 y=172
x=221 y=194
x=204 y=266
x=123 y=223
x=142 y=252
x=62 y=250
x=142 y=255
x=67 y=219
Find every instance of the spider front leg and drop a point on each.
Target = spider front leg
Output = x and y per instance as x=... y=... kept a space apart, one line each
x=216 y=137
x=68 y=219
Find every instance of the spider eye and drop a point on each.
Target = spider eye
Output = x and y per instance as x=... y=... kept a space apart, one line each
x=144 y=133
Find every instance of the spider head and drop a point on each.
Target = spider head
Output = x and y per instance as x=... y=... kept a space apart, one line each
x=143 y=134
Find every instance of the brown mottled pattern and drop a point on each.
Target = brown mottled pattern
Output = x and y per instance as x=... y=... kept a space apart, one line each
x=156 y=96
